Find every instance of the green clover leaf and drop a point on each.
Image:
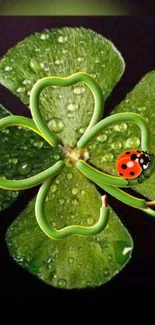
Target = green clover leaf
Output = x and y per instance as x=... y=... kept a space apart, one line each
x=73 y=262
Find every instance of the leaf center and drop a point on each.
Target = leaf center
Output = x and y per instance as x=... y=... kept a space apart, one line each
x=73 y=155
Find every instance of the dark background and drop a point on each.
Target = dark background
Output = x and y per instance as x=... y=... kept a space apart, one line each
x=135 y=39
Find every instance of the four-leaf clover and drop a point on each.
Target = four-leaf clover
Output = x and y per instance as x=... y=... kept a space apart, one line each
x=76 y=261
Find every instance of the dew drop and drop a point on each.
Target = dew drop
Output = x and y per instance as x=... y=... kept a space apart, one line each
x=64 y=51
x=53 y=188
x=57 y=157
x=14 y=161
x=19 y=90
x=110 y=257
x=62 y=39
x=121 y=127
x=25 y=169
x=132 y=142
x=102 y=138
x=123 y=251
x=106 y=273
x=78 y=90
x=83 y=192
x=116 y=145
x=14 y=194
x=57 y=181
x=80 y=59
x=6 y=131
x=126 y=250
x=75 y=202
x=90 y=221
x=26 y=82
x=69 y=175
x=74 y=190
x=141 y=109
x=81 y=130
x=72 y=107
x=61 y=283
x=44 y=37
x=61 y=201
x=42 y=65
x=97 y=60
x=57 y=62
x=71 y=260
x=8 y=68
x=38 y=144
x=108 y=157
x=56 y=125
x=34 y=65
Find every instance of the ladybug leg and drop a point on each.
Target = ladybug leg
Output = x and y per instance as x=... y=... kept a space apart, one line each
x=127 y=181
x=139 y=178
x=143 y=173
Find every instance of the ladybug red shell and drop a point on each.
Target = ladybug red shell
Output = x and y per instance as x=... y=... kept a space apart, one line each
x=130 y=164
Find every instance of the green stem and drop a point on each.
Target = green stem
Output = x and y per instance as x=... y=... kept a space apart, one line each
x=69 y=230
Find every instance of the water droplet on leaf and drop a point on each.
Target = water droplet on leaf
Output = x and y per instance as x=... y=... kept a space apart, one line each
x=57 y=157
x=75 y=202
x=69 y=175
x=61 y=201
x=25 y=169
x=116 y=145
x=102 y=138
x=132 y=142
x=44 y=37
x=62 y=283
x=121 y=127
x=79 y=90
x=90 y=221
x=62 y=39
x=55 y=125
x=8 y=68
x=108 y=157
x=106 y=273
x=123 y=250
x=74 y=190
x=53 y=188
x=71 y=260
x=72 y=107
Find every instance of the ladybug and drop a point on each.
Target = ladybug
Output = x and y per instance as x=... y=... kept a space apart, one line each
x=130 y=164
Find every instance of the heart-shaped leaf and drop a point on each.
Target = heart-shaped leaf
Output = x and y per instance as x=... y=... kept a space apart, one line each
x=23 y=153
x=111 y=142
x=62 y=52
x=76 y=261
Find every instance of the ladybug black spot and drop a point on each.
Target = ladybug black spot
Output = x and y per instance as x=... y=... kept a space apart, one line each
x=128 y=152
x=132 y=173
x=124 y=166
x=120 y=174
x=134 y=156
